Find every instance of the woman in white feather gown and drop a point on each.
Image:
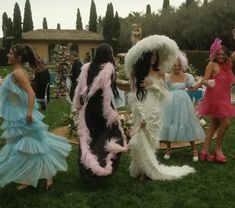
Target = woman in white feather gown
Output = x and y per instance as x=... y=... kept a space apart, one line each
x=146 y=99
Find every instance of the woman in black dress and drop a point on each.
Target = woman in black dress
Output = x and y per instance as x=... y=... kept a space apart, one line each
x=99 y=129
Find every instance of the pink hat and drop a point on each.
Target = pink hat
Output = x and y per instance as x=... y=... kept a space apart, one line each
x=215 y=47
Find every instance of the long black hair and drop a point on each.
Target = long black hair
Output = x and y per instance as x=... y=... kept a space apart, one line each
x=141 y=70
x=103 y=54
x=27 y=54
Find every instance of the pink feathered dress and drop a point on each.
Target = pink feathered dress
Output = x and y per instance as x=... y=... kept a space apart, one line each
x=217 y=99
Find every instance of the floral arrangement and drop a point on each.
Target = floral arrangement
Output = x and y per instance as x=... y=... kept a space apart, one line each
x=71 y=120
x=126 y=122
x=63 y=65
x=192 y=70
x=120 y=68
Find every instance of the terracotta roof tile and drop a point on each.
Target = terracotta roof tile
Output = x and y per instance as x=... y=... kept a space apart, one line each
x=71 y=35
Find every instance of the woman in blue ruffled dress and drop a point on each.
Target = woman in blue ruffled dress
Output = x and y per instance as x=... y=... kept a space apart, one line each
x=179 y=120
x=31 y=152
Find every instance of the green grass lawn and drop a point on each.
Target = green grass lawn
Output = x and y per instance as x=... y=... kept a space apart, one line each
x=212 y=186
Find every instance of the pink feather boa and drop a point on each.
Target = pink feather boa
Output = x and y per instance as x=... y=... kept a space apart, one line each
x=102 y=81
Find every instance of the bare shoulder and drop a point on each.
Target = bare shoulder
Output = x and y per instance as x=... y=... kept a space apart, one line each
x=19 y=75
x=211 y=64
x=233 y=56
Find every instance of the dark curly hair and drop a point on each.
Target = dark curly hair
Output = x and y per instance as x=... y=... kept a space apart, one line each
x=141 y=70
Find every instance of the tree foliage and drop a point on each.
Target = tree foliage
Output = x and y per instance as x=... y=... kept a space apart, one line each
x=116 y=33
x=165 y=6
x=10 y=31
x=17 y=27
x=79 y=21
x=108 y=24
x=4 y=28
x=58 y=26
x=148 y=10
x=193 y=26
x=28 y=20
x=44 y=23
x=93 y=18
x=4 y=24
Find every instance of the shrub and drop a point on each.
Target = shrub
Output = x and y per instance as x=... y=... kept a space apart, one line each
x=3 y=57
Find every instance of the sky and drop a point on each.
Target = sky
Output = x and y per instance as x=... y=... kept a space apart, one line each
x=65 y=11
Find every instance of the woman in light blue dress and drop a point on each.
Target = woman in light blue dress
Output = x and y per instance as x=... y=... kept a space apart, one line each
x=179 y=120
x=31 y=152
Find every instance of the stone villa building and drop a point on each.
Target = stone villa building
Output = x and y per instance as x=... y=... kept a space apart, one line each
x=44 y=40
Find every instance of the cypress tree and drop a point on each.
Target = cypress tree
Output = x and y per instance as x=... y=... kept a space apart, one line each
x=116 y=32
x=79 y=21
x=4 y=24
x=93 y=18
x=28 y=21
x=116 y=26
x=10 y=27
x=7 y=30
x=148 y=10
x=165 y=6
x=44 y=23
x=189 y=2
x=4 y=28
x=17 y=23
x=58 y=26
x=108 y=24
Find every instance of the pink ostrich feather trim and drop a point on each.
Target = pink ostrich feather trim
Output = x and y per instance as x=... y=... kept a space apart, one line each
x=81 y=88
x=215 y=47
x=103 y=80
x=90 y=161
x=112 y=146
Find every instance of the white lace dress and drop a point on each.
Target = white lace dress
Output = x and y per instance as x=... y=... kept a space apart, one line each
x=145 y=141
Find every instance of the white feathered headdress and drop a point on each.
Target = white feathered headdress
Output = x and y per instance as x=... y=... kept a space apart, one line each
x=167 y=50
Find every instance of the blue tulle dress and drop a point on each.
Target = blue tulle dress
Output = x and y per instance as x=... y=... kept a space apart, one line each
x=179 y=122
x=30 y=152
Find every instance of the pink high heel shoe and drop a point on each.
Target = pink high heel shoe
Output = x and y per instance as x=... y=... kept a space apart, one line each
x=205 y=156
x=220 y=158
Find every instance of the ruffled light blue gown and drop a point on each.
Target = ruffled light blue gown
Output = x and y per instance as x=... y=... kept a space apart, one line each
x=179 y=120
x=31 y=152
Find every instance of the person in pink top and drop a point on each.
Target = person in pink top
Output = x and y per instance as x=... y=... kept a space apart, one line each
x=217 y=100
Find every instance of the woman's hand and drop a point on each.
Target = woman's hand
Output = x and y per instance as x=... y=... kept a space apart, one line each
x=146 y=83
x=211 y=82
x=29 y=118
x=143 y=124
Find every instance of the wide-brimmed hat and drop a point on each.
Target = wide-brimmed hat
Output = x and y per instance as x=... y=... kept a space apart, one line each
x=167 y=50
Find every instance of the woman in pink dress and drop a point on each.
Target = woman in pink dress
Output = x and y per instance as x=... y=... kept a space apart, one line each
x=217 y=101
